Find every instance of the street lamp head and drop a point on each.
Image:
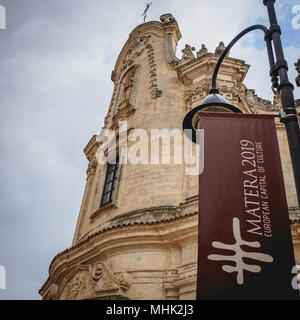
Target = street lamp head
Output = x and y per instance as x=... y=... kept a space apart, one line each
x=214 y=102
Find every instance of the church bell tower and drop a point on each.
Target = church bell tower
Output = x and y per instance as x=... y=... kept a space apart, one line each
x=136 y=234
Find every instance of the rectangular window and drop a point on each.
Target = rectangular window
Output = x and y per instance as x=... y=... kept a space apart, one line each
x=110 y=183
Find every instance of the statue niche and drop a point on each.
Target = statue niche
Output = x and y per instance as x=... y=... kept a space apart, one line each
x=124 y=104
x=126 y=89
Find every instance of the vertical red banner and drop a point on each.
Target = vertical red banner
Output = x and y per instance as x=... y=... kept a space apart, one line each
x=245 y=246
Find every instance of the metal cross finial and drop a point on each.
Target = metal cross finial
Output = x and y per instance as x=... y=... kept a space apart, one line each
x=145 y=12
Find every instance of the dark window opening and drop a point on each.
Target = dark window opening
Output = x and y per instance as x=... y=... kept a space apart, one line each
x=110 y=183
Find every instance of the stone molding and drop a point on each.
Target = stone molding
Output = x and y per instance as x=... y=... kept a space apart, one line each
x=177 y=282
x=92 y=147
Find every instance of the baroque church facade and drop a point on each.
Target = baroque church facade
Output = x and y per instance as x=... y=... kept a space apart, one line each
x=137 y=234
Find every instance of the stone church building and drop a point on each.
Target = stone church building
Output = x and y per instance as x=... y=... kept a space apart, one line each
x=136 y=235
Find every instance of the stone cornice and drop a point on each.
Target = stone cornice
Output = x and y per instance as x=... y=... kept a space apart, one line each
x=162 y=217
x=190 y=70
x=92 y=147
x=117 y=226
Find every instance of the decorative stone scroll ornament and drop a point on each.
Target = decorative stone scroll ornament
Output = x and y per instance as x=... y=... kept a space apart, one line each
x=106 y=283
x=172 y=33
x=92 y=167
x=138 y=47
x=167 y=18
x=155 y=92
x=297 y=65
x=74 y=287
x=259 y=105
x=195 y=94
x=237 y=95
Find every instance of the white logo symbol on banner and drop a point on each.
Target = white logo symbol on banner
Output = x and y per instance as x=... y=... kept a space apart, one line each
x=240 y=266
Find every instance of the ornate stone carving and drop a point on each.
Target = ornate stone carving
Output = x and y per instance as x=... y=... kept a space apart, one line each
x=155 y=92
x=172 y=33
x=106 y=283
x=195 y=94
x=51 y=293
x=127 y=84
x=188 y=53
x=234 y=94
x=132 y=54
x=259 y=105
x=167 y=18
x=92 y=147
x=79 y=285
x=297 y=65
x=202 y=51
x=92 y=167
x=74 y=287
x=123 y=114
x=220 y=49
x=130 y=57
x=125 y=280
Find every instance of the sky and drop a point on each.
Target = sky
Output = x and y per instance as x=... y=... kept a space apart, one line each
x=56 y=58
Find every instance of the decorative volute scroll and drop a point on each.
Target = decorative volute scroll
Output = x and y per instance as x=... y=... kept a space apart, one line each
x=172 y=36
x=297 y=65
x=92 y=167
x=136 y=49
x=107 y=285
x=167 y=18
x=51 y=292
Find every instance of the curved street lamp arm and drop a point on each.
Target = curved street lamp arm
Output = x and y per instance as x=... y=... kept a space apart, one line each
x=232 y=43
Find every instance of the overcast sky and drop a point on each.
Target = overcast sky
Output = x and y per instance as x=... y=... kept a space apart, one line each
x=56 y=58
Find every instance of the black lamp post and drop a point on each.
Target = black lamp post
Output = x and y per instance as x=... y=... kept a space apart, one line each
x=288 y=113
